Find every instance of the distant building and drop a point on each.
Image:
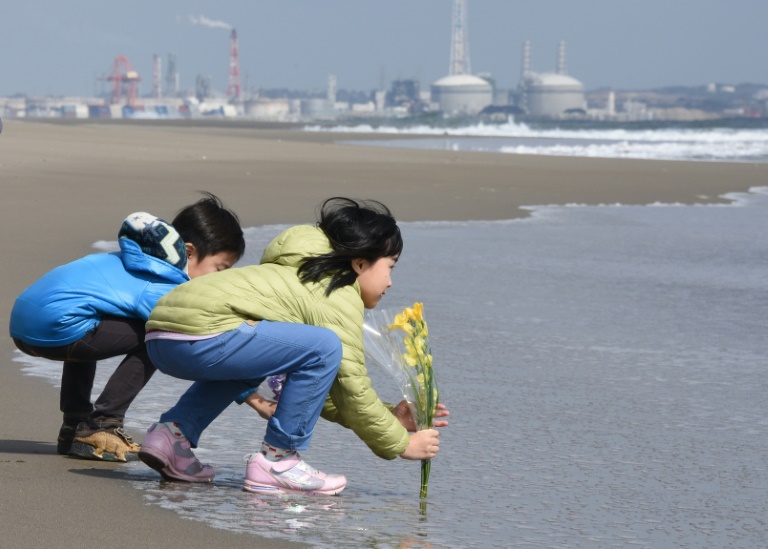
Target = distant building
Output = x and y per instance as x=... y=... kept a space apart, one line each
x=402 y=93
x=269 y=109
x=462 y=94
x=316 y=108
x=553 y=95
x=550 y=94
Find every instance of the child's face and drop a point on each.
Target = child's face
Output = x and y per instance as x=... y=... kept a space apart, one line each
x=210 y=263
x=374 y=278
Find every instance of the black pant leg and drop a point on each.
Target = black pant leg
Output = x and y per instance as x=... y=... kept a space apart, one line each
x=130 y=377
x=76 y=385
x=114 y=336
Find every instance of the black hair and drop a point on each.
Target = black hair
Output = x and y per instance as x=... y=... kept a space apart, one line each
x=356 y=229
x=210 y=227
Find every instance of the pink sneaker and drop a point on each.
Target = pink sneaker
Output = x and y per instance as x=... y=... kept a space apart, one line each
x=170 y=453
x=290 y=475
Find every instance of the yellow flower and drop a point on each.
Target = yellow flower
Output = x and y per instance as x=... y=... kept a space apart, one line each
x=412 y=359
x=418 y=311
x=419 y=345
x=401 y=323
x=422 y=392
x=418 y=329
x=410 y=347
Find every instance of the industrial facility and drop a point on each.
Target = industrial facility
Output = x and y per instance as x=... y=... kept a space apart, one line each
x=550 y=94
x=537 y=95
x=461 y=93
x=540 y=95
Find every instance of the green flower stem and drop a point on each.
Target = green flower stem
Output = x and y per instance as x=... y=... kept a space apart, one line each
x=426 y=465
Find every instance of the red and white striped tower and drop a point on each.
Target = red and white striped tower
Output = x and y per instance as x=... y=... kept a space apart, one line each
x=233 y=91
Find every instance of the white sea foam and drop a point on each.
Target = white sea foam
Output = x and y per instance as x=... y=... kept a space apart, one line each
x=724 y=144
x=518 y=129
x=659 y=150
x=39 y=367
x=106 y=245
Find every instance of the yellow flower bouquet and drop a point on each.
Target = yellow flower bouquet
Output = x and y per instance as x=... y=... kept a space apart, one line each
x=399 y=341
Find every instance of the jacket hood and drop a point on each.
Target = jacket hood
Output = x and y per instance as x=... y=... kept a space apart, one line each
x=134 y=260
x=155 y=237
x=292 y=246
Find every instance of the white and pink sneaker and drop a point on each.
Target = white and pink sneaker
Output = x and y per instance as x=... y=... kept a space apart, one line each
x=290 y=475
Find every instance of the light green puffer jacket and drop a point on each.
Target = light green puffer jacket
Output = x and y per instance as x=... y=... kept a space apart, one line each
x=222 y=301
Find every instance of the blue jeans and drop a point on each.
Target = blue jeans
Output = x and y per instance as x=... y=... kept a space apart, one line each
x=224 y=366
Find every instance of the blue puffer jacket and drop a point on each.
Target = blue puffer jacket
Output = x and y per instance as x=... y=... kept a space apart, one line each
x=69 y=301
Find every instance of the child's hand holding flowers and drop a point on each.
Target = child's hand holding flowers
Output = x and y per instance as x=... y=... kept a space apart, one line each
x=403 y=413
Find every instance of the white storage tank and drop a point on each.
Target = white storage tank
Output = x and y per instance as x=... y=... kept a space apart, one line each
x=552 y=94
x=462 y=94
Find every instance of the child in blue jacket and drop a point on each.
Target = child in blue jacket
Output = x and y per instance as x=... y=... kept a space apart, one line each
x=96 y=307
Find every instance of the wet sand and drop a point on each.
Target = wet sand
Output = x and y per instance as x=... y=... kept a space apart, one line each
x=68 y=184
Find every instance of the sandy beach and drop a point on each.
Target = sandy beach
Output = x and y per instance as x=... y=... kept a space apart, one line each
x=69 y=184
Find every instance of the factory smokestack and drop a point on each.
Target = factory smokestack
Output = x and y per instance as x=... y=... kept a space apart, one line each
x=156 y=70
x=233 y=90
x=526 y=59
x=561 y=58
x=172 y=77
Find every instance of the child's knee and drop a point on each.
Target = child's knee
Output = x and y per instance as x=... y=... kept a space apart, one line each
x=329 y=347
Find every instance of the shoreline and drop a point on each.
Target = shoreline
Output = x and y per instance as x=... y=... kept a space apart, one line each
x=448 y=185
x=68 y=185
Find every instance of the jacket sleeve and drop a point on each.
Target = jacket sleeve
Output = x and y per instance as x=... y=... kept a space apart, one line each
x=353 y=403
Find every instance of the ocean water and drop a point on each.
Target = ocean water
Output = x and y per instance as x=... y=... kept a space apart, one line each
x=738 y=141
x=605 y=369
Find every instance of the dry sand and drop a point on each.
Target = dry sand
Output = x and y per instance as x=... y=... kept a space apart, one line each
x=68 y=184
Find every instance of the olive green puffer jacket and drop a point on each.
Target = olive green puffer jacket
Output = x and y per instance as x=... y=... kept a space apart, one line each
x=222 y=301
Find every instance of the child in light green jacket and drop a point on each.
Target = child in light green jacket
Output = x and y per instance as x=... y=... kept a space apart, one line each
x=298 y=313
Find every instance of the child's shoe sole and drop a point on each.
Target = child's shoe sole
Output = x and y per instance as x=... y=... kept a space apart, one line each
x=160 y=463
x=256 y=488
x=157 y=463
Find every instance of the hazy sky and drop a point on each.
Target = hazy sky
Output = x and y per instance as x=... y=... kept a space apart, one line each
x=62 y=48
